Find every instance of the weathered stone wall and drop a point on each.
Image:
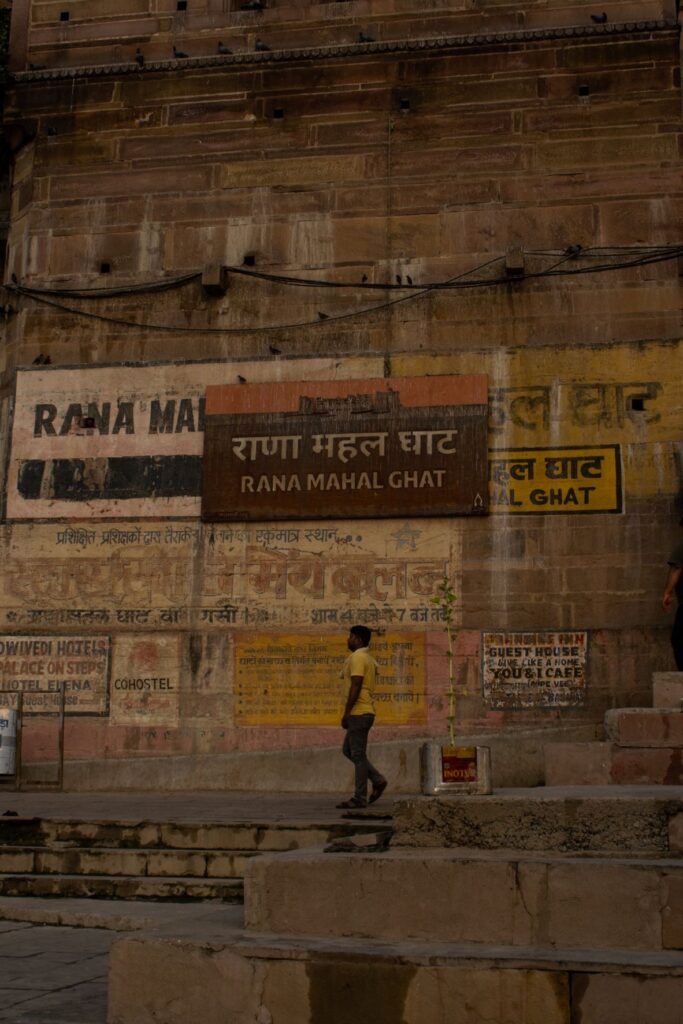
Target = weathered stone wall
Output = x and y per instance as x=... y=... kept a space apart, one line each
x=397 y=162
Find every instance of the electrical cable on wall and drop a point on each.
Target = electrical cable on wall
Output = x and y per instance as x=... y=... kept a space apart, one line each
x=621 y=258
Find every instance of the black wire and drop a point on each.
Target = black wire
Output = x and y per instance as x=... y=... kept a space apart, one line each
x=232 y=330
x=103 y=293
x=656 y=255
x=301 y=282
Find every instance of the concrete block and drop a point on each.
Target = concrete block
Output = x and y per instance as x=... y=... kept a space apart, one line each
x=644 y=727
x=547 y=822
x=577 y=764
x=667 y=689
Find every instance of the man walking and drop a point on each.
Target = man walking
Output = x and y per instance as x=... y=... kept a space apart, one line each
x=674 y=585
x=360 y=673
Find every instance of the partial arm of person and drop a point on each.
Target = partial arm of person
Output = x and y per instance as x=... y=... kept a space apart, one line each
x=353 y=695
x=672 y=579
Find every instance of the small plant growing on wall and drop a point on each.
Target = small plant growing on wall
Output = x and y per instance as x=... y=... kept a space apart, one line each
x=445 y=599
x=451 y=767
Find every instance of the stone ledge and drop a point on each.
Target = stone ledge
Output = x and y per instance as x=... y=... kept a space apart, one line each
x=272 y=979
x=347 y=50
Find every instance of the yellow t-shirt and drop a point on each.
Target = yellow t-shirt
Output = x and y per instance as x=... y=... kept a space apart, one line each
x=361 y=663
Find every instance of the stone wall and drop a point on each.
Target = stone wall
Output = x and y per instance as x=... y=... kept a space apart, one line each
x=396 y=163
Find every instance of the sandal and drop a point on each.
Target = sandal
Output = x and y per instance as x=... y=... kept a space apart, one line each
x=377 y=791
x=353 y=802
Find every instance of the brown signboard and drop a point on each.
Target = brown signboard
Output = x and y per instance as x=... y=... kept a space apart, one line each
x=342 y=449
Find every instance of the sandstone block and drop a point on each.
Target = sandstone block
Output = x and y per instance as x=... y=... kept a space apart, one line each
x=655 y=766
x=644 y=727
x=485 y=899
x=507 y=997
x=124 y=183
x=349 y=894
x=169 y=863
x=591 y=905
x=577 y=764
x=592 y=152
x=225 y=865
x=91 y=862
x=626 y=999
x=175 y=982
x=672 y=914
x=667 y=689
x=15 y=860
x=676 y=834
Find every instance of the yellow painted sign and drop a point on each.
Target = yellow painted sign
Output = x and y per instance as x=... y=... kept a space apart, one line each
x=550 y=480
x=288 y=679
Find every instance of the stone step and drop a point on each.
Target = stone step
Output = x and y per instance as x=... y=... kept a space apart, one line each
x=644 y=727
x=489 y=897
x=575 y=820
x=115 y=861
x=302 y=980
x=569 y=764
x=235 y=836
x=667 y=689
x=122 y=887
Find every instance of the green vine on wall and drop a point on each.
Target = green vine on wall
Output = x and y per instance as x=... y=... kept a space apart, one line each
x=446 y=599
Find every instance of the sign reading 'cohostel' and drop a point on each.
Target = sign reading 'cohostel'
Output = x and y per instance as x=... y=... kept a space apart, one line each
x=346 y=448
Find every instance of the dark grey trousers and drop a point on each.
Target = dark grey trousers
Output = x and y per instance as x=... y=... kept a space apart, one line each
x=355 y=748
x=677 y=637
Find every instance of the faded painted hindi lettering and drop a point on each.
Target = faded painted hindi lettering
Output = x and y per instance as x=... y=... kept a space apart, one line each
x=289 y=679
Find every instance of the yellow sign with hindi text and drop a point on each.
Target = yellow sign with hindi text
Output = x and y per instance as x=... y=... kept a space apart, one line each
x=295 y=679
x=551 y=480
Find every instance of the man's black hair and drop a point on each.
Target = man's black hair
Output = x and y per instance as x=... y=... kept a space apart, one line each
x=363 y=633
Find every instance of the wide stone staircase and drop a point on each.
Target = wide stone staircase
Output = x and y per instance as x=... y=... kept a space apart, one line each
x=146 y=860
x=551 y=905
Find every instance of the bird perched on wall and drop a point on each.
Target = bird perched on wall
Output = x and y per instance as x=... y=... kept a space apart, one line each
x=42 y=360
x=260 y=45
x=252 y=5
x=275 y=351
x=179 y=55
x=399 y=279
x=599 y=19
x=322 y=316
x=223 y=49
x=241 y=379
x=409 y=279
x=364 y=278
x=364 y=38
x=139 y=58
